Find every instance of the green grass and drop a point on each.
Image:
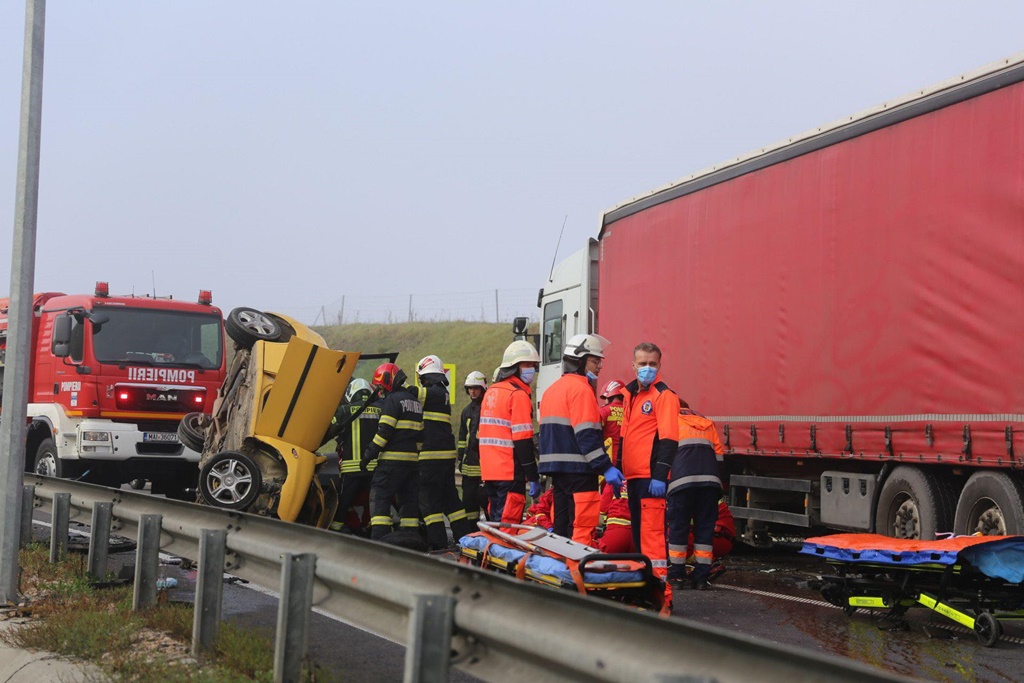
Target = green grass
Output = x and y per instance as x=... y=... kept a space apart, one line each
x=471 y=346
x=73 y=618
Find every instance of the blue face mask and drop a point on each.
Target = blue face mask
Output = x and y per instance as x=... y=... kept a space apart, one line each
x=591 y=376
x=646 y=375
x=526 y=374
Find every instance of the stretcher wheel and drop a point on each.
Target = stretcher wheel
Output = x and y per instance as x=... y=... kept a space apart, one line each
x=987 y=628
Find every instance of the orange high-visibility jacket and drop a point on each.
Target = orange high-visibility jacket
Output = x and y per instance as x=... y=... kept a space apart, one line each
x=650 y=427
x=697 y=461
x=506 y=432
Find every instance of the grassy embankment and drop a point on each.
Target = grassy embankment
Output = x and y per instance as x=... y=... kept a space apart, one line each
x=471 y=346
x=73 y=618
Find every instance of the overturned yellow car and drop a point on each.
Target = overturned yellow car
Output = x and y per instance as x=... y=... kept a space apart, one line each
x=271 y=414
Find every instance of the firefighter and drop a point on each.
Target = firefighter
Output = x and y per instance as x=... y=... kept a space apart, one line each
x=611 y=419
x=469 y=445
x=694 y=491
x=396 y=446
x=357 y=424
x=508 y=456
x=650 y=434
x=439 y=498
x=571 y=444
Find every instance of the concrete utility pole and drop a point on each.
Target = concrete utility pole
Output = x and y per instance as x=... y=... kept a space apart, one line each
x=19 y=320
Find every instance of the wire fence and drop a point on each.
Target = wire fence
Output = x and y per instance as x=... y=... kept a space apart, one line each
x=491 y=305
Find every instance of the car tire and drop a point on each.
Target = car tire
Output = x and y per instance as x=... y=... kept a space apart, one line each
x=246 y=326
x=991 y=503
x=192 y=431
x=230 y=480
x=913 y=504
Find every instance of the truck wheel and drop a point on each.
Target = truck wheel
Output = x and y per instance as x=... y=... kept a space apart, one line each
x=192 y=431
x=49 y=465
x=912 y=504
x=230 y=480
x=992 y=504
x=246 y=326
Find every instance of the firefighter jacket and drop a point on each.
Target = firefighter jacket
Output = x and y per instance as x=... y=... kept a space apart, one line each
x=611 y=427
x=438 y=440
x=357 y=434
x=506 y=432
x=650 y=430
x=400 y=431
x=697 y=460
x=570 y=428
x=469 y=441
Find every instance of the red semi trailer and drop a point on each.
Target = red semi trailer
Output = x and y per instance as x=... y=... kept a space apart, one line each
x=848 y=305
x=110 y=378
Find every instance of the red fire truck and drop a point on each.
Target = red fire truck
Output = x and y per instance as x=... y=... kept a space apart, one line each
x=110 y=379
x=848 y=305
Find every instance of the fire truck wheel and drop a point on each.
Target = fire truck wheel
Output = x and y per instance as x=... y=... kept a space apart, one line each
x=246 y=326
x=192 y=431
x=230 y=480
x=49 y=465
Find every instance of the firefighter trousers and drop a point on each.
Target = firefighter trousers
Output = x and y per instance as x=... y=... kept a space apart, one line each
x=577 y=505
x=439 y=498
x=699 y=505
x=398 y=481
x=350 y=487
x=471 y=498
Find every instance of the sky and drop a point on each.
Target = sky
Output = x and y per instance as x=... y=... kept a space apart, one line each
x=287 y=154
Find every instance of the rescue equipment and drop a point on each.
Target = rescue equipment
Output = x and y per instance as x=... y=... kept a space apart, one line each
x=973 y=580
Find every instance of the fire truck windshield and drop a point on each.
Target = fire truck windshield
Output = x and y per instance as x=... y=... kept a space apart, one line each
x=134 y=336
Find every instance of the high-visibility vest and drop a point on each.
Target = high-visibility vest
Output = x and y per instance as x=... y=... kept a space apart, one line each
x=570 y=429
x=506 y=416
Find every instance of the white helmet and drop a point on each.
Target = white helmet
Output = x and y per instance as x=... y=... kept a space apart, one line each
x=475 y=379
x=429 y=365
x=494 y=375
x=580 y=345
x=355 y=386
x=519 y=351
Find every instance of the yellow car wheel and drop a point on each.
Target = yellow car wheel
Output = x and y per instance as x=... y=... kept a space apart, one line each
x=230 y=480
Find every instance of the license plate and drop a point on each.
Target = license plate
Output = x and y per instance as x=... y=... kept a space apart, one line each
x=159 y=437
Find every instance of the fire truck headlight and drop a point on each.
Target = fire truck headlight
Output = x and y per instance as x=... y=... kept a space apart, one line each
x=96 y=436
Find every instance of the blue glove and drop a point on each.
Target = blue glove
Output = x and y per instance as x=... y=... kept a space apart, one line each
x=535 y=489
x=657 y=488
x=613 y=477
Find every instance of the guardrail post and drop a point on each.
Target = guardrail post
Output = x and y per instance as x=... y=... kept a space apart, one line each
x=147 y=561
x=59 y=530
x=209 y=588
x=99 y=539
x=428 y=654
x=294 y=608
x=28 y=506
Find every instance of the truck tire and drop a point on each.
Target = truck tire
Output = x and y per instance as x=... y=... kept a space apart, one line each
x=246 y=326
x=230 y=480
x=914 y=503
x=992 y=503
x=48 y=464
x=192 y=431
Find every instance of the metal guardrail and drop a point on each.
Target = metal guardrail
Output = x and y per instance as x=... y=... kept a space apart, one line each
x=500 y=629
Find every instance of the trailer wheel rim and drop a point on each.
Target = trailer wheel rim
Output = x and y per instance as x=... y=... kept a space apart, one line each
x=229 y=481
x=907 y=520
x=987 y=518
x=257 y=323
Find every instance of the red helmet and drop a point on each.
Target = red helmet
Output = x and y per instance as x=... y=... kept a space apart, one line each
x=385 y=375
x=611 y=389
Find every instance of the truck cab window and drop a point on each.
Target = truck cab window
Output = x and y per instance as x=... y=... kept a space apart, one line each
x=552 y=351
x=77 y=340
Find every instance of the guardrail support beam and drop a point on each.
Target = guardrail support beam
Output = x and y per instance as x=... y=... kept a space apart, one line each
x=428 y=654
x=147 y=561
x=59 y=530
x=28 y=506
x=99 y=540
x=293 y=613
x=209 y=588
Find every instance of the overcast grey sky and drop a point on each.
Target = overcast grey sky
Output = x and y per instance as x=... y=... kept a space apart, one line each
x=284 y=154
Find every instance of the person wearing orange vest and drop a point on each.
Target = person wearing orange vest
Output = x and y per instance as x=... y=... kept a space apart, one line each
x=694 y=491
x=508 y=457
x=611 y=419
x=650 y=435
x=571 y=444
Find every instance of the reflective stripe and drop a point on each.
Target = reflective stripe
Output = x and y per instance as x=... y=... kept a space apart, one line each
x=380 y=441
x=620 y=521
x=553 y=420
x=380 y=521
x=582 y=426
x=659 y=564
x=473 y=516
x=437 y=417
x=517 y=429
x=470 y=470
x=410 y=523
x=707 y=547
x=437 y=455
x=414 y=425
x=695 y=479
x=501 y=443
x=677 y=554
x=396 y=455
x=495 y=421
x=462 y=444
x=456 y=516
x=388 y=420
x=696 y=442
x=677 y=548
x=434 y=519
x=595 y=454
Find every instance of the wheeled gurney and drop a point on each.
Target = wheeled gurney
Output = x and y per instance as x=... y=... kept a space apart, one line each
x=532 y=553
x=973 y=580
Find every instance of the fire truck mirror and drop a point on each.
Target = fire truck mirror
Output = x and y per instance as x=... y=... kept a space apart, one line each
x=61 y=346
